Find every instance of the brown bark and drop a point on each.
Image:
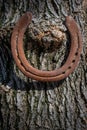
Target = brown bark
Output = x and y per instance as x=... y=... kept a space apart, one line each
x=26 y=104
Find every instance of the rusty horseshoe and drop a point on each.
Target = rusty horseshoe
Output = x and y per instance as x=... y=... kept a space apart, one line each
x=54 y=75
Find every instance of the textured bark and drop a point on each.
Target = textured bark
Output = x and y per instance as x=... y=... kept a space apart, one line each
x=26 y=104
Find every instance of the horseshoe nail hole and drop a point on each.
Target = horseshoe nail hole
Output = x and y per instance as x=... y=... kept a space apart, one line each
x=76 y=53
x=69 y=67
x=73 y=61
x=63 y=72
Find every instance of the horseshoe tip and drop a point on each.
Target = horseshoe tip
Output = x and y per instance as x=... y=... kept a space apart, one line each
x=69 y=18
x=70 y=21
x=29 y=14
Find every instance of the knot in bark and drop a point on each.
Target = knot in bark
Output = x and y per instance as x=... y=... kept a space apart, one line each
x=47 y=35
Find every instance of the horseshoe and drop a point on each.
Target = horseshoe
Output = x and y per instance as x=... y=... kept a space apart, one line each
x=54 y=75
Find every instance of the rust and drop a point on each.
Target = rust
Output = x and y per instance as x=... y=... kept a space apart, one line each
x=54 y=75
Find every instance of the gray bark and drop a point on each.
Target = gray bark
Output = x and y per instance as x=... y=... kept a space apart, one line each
x=26 y=104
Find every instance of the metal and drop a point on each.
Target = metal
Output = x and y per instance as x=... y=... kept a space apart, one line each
x=31 y=72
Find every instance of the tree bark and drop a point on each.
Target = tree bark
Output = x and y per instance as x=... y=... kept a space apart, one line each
x=26 y=104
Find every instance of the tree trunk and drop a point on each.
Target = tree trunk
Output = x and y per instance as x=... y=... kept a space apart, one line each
x=26 y=104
